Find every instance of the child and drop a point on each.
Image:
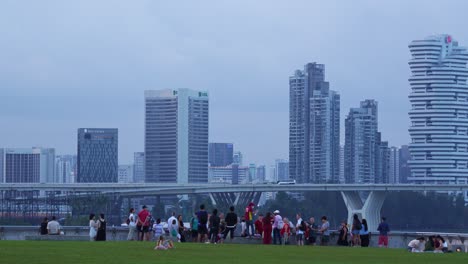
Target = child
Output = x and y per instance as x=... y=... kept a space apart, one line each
x=163 y=244
x=285 y=231
x=222 y=231
x=244 y=227
x=158 y=229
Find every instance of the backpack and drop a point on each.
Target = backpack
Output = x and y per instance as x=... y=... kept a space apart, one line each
x=303 y=226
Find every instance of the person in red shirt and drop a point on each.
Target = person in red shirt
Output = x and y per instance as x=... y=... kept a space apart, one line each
x=285 y=231
x=143 y=223
x=259 y=225
x=267 y=228
x=249 y=219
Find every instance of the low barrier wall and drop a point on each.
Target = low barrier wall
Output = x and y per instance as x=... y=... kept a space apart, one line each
x=397 y=239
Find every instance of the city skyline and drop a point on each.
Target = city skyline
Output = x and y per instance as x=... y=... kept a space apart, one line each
x=45 y=79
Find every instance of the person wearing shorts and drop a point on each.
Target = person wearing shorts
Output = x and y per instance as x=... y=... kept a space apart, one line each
x=325 y=230
x=202 y=216
x=143 y=223
x=383 y=229
x=194 y=227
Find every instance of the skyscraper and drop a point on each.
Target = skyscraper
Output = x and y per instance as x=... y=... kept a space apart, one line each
x=261 y=173
x=65 y=168
x=220 y=154
x=139 y=167
x=176 y=136
x=237 y=158
x=282 y=170
x=314 y=126
x=394 y=167
x=125 y=173
x=97 y=159
x=361 y=143
x=404 y=157
x=35 y=165
x=439 y=115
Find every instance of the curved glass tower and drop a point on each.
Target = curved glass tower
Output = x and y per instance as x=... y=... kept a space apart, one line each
x=439 y=111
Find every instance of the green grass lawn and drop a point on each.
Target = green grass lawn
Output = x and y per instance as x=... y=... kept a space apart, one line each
x=47 y=252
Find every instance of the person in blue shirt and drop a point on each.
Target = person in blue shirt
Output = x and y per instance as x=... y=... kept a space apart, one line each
x=364 y=233
x=383 y=229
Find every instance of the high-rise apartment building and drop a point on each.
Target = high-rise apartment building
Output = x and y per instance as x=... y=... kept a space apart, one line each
x=404 y=157
x=232 y=174
x=394 y=166
x=97 y=159
x=139 y=167
x=439 y=111
x=361 y=144
x=35 y=165
x=314 y=127
x=65 y=168
x=220 y=154
x=176 y=136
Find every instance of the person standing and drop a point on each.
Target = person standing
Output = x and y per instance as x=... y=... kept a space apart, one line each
x=144 y=222
x=364 y=234
x=267 y=228
x=101 y=231
x=355 y=229
x=301 y=227
x=325 y=231
x=231 y=223
x=158 y=229
x=131 y=225
x=259 y=226
x=343 y=236
x=285 y=231
x=277 y=226
x=194 y=227
x=313 y=228
x=43 y=228
x=93 y=225
x=214 y=226
x=181 y=228
x=202 y=216
x=249 y=219
x=383 y=229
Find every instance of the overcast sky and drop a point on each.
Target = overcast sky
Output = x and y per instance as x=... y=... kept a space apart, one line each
x=71 y=64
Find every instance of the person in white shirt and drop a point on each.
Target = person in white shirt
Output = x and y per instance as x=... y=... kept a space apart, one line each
x=131 y=225
x=300 y=230
x=417 y=245
x=53 y=227
x=170 y=223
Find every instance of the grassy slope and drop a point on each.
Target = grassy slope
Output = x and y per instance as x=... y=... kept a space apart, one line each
x=39 y=252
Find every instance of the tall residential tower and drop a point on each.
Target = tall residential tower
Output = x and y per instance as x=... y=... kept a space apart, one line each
x=314 y=127
x=439 y=111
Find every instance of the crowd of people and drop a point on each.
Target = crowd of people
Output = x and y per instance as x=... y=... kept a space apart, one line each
x=271 y=228
x=214 y=227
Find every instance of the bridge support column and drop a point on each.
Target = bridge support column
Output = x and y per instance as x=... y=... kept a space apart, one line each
x=370 y=209
x=224 y=200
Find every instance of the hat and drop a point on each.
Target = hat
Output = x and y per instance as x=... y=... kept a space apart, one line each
x=144 y=206
x=276 y=212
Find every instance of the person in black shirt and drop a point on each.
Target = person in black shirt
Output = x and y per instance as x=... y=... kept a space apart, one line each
x=44 y=226
x=214 y=226
x=101 y=232
x=231 y=223
x=202 y=221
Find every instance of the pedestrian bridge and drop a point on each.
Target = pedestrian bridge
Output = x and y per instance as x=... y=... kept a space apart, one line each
x=236 y=194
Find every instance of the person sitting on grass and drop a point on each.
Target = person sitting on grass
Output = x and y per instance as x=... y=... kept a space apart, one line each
x=417 y=245
x=163 y=244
